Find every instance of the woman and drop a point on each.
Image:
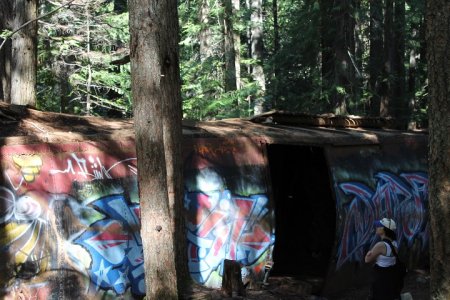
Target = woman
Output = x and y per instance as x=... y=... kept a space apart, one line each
x=384 y=285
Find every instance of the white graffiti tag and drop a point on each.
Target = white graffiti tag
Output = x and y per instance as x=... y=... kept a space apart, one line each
x=92 y=167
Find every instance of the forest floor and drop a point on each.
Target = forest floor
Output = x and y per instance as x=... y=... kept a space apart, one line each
x=287 y=288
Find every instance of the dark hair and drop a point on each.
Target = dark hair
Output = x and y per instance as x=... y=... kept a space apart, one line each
x=390 y=233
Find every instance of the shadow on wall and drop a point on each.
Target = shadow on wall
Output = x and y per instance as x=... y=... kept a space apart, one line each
x=228 y=212
x=304 y=211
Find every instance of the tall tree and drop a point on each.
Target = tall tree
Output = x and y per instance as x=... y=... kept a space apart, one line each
x=387 y=105
x=24 y=53
x=416 y=50
x=5 y=52
x=375 y=55
x=343 y=48
x=398 y=64
x=236 y=7
x=88 y=58
x=276 y=49
x=229 y=47
x=257 y=49
x=156 y=100
x=206 y=38
x=438 y=57
x=328 y=33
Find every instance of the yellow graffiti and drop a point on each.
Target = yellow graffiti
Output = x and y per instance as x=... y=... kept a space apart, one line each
x=23 y=253
x=12 y=231
x=30 y=166
x=22 y=240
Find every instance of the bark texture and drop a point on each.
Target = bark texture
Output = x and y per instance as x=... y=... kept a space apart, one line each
x=388 y=54
x=229 y=47
x=376 y=55
x=232 y=284
x=5 y=52
x=24 y=54
x=205 y=35
x=438 y=57
x=156 y=96
x=257 y=48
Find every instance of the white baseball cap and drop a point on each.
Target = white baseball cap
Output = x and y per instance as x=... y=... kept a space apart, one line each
x=385 y=222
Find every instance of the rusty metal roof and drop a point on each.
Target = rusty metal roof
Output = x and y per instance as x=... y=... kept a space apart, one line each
x=21 y=125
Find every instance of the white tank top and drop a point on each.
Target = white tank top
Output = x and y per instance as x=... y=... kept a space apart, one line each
x=388 y=259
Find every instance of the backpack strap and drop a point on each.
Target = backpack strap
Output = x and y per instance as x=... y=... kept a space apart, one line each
x=392 y=247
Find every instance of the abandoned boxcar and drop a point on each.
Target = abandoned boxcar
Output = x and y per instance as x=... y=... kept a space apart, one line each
x=294 y=192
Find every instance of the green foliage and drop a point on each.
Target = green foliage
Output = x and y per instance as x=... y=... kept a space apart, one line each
x=72 y=54
x=5 y=34
x=295 y=82
x=76 y=48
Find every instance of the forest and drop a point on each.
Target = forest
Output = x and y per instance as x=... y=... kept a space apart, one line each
x=226 y=59
x=237 y=58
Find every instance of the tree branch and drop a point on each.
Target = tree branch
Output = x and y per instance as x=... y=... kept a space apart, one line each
x=31 y=21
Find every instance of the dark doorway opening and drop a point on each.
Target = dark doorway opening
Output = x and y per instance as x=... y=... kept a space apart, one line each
x=305 y=212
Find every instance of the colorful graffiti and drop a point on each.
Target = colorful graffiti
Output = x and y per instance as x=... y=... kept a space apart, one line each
x=224 y=226
x=70 y=221
x=402 y=197
x=23 y=224
x=92 y=230
x=29 y=165
x=115 y=246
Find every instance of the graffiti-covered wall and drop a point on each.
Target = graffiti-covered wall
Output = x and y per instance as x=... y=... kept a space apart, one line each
x=228 y=213
x=372 y=182
x=69 y=217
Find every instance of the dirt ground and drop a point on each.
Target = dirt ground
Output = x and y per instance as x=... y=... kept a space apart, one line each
x=288 y=288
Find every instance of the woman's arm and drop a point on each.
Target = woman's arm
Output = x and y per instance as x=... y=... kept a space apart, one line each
x=378 y=249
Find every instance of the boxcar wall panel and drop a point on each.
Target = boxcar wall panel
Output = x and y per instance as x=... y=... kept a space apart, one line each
x=228 y=210
x=69 y=217
x=371 y=182
x=69 y=221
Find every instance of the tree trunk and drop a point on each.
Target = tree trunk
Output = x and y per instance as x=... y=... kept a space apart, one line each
x=5 y=52
x=64 y=88
x=229 y=48
x=205 y=35
x=386 y=88
x=24 y=54
x=438 y=57
x=88 y=54
x=276 y=49
x=400 y=107
x=375 y=56
x=237 y=45
x=232 y=284
x=357 y=58
x=5 y=72
x=156 y=96
x=411 y=87
x=172 y=126
x=327 y=35
x=257 y=47
x=343 y=41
